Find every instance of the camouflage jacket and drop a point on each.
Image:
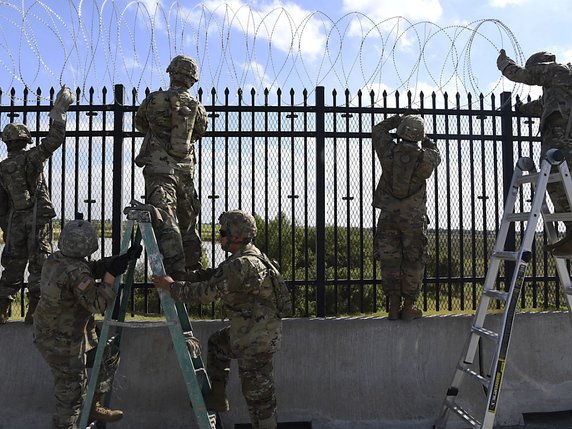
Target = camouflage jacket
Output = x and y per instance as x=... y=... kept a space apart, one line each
x=556 y=82
x=22 y=182
x=243 y=283
x=405 y=166
x=172 y=121
x=63 y=320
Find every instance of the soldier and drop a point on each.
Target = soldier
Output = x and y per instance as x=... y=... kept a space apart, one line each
x=173 y=121
x=25 y=206
x=64 y=326
x=255 y=298
x=400 y=242
x=555 y=111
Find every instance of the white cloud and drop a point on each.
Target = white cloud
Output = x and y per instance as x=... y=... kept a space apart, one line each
x=379 y=10
x=504 y=3
x=289 y=27
x=565 y=57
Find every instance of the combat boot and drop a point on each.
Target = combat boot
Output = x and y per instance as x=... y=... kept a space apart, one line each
x=409 y=312
x=394 y=307
x=103 y=414
x=268 y=423
x=566 y=240
x=4 y=309
x=216 y=399
x=32 y=304
x=563 y=250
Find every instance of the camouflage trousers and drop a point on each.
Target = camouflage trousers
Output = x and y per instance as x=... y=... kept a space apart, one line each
x=26 y=243
x=553 y=136
x=255 y=372
x=70 y=380
x=179 y=241
x=400 y=246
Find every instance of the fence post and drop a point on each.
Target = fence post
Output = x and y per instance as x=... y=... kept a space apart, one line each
x=320 y=204
x=117 y=198
x=507 y=172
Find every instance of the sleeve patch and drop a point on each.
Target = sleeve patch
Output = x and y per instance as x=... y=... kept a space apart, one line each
x=85 y=284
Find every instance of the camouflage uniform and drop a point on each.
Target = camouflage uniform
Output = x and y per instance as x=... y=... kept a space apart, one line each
x=172 y=121
x=400 y=242
x=64 y=329
x=244 y=284
x=25 y=212
x=555 y=108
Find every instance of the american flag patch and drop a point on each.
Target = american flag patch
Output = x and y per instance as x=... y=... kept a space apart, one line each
x=85 y=284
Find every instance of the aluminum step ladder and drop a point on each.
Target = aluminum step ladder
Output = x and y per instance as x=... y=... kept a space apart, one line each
x=194 y=373
x=525 y=174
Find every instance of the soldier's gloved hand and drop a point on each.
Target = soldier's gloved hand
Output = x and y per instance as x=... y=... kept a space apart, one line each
x=200 y=275
x=64 y=99
x=503 y=61
x=118 y=264
x=517 y=106
x=409 y=147
x=428 y=143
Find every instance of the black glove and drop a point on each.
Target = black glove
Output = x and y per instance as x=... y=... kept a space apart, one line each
x=200 y=275
x=118 y=264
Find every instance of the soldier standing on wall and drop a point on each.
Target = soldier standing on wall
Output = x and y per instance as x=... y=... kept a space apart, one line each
x=400 y=242
x=25 y=206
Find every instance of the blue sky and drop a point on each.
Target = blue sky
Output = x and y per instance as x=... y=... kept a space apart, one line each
x=429 y=45
x=417 y=45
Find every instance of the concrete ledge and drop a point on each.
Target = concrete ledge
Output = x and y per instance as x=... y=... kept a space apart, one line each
x=359 y=373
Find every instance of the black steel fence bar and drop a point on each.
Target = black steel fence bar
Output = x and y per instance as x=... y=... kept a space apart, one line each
x=342 y=128
x=320 y=203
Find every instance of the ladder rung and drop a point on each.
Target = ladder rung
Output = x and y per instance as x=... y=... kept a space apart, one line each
x=551 y=217
x=506 y=255
x=463 y=414
x=496 y=294
x=528 y=178
x=140 y=325
x=485 y=381
x=518 y=217
x=485 y=333
x=200 y=371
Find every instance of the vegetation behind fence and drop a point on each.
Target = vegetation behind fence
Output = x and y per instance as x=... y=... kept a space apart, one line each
x=307 y=170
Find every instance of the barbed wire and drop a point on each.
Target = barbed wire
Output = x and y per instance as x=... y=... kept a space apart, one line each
x=97 y=43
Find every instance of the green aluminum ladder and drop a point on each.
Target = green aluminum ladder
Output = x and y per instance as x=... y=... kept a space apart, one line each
x=194 y=373
x=491 y=383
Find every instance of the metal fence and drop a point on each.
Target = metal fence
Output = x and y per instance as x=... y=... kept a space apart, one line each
x=307 y=169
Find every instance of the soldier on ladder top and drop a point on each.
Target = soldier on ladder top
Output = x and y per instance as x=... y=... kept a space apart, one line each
x=173 y=121
x=555 y=112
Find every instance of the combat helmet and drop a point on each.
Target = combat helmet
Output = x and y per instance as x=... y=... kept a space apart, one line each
x=184 y=69
x=239 y=224
x=16 y=131
x=539 y=59
x=412 y=128
x=78 y=239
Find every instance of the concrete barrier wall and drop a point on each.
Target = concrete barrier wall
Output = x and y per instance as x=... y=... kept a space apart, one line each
x=359 y=373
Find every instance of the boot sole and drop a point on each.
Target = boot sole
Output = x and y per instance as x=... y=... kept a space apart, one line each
x=109 y=420
x=410 y=318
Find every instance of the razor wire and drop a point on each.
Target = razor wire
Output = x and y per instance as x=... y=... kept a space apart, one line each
x=97 y=43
